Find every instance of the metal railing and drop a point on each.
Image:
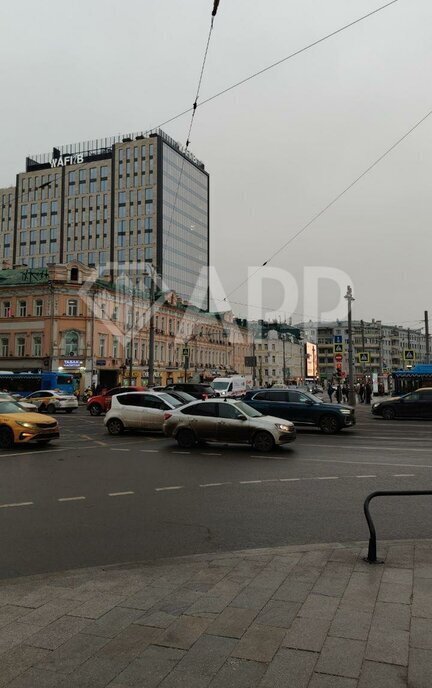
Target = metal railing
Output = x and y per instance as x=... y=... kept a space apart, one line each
x=372 y=548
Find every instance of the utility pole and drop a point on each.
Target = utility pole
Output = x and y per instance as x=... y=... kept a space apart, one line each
x=132 y=337
x=409 y=338
x=283 y=337
x=349 y=297
x=363 y=343
x=253 y=360
x=151 y=331
x=426 y=319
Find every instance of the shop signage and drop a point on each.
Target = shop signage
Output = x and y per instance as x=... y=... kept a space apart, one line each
x=71 y=363
x=64 y=160
x=100 y=362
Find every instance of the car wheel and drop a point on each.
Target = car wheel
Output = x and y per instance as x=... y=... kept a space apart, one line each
x=50 y=408
x=69 y=410
x=186 y=439
x=6 y=438
x=95 y=409
x=388 y=413
x=41 y=408
x=115 y=426
x=329 y=425
x=263 y=441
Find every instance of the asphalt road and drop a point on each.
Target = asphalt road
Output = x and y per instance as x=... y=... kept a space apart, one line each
x=92 y=499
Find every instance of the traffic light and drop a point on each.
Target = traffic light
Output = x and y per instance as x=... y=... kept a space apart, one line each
x=339 y=372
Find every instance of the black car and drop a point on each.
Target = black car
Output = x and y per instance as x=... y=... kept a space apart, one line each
x=416 y=404
x=301 y=408
x=196 y=390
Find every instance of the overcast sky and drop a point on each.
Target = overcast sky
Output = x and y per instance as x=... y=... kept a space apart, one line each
x=278 y=148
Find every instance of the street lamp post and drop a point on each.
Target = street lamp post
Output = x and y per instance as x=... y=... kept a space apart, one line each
x=349 y=297
x=283 y=338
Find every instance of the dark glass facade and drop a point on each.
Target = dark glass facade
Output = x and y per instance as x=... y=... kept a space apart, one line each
x=183 y=226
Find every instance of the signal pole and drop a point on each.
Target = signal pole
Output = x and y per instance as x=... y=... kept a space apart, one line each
x=349 y=297
x=426 y=319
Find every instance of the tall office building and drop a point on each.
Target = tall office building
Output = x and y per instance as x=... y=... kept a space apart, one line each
x=134 y=199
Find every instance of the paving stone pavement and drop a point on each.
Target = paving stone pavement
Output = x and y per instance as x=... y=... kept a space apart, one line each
x=313 y=616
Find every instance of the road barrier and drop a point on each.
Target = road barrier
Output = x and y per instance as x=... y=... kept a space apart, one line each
x=372 y=549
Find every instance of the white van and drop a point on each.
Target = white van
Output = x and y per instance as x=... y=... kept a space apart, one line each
x=234 y=386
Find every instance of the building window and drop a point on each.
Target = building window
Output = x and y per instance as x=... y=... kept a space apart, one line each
x=6 y=309
x=37 y=345
x=102 y=343
x=38 y=307
x=71 y=343
x=4 y=346
x=72 y=308
x=115 y=347
x=22 y=309
x=20 y=346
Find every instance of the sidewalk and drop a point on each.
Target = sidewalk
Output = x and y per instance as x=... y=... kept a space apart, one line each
x=313 y=616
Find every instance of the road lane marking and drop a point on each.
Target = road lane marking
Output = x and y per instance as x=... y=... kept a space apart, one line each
x=327 y=477
x=150 y=451
x=118 y=449
x=180 y=452
x=102 y=444
x=172 y=487
x=288 y=480
x=249 y=482
x=8 y=506
x=403 y=475
x=371 y=463
x=210 y=454
x=213 y=484
x=368 y=448
x=70 y=499
x=365 y=476
x=120 y=494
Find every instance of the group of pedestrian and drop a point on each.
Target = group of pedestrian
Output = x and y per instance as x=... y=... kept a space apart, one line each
x=341 y=392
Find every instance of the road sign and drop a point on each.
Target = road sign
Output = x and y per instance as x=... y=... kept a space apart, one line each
x=338 y=348
x=185 y=352
x=338 y=357
x=409 y=354
x=338 y=339
x=364 y=357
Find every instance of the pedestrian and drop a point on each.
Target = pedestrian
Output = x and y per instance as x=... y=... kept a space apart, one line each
x=368 y=393
x=345 y=392
x=338 y=393
x=330 y=391
x=361 y=392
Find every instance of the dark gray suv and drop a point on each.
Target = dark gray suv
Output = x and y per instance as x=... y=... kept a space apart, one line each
x=197 y=390
x=301 y=408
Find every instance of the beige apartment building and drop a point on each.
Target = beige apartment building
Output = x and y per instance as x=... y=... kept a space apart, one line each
x=63 y=317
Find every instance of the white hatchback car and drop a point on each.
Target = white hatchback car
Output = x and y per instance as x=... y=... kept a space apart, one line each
x=139 y=411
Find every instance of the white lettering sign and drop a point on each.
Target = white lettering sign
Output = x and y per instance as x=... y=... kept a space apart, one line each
x=63 y=160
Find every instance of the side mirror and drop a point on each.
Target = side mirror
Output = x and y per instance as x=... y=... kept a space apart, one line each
x=241 y=418
x=310 y=402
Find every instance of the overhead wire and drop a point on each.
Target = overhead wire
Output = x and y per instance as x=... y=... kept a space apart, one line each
x=332 y=202
x=274 y=64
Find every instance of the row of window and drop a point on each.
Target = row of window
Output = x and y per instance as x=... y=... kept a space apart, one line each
x=20 y=345
x=23 y=308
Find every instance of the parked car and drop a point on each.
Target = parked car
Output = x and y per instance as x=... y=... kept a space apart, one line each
x=234 y=386
x=416 y=404
x=4 y=396
x=198 y=390
x=301 y=408
x=184 y=397
x=100 y=403
x=53 y=400
x=226 y=420
x=21 y=427
x=139 y=411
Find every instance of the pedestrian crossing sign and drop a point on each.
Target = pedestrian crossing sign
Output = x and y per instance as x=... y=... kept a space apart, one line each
x=364 y=357
x=409 y=354
x=338 y=348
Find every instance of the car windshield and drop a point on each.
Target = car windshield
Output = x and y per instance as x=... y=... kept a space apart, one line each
x=248 y=410
x=10 y=407
x=6 y=397
x=171 y=400
x=220 y=385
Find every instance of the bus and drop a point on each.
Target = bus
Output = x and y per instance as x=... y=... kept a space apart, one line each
x=26 y=383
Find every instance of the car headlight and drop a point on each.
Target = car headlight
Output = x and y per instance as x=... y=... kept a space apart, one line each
x=23 y=424
x=346 y=411
x=376 y=405
x=284 y=428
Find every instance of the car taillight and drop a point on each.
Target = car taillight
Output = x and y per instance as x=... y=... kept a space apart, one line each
x=167 y=415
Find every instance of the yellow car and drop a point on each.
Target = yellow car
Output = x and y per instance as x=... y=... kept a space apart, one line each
x=20 y=427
